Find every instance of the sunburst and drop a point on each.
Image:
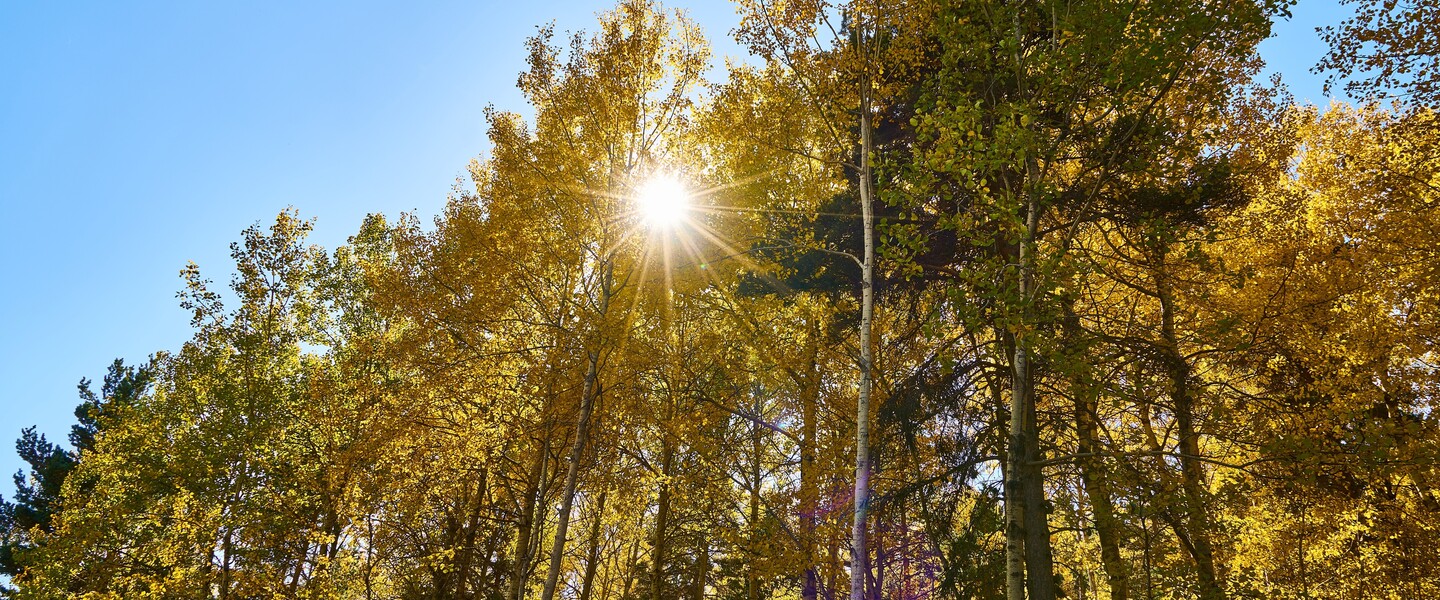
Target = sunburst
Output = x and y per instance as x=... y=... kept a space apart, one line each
x=663 y=201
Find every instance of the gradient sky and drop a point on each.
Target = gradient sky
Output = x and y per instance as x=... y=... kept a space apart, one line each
x=136 y=138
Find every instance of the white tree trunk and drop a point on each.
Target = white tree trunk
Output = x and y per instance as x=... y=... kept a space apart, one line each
x=859 y=551
x=577 y=451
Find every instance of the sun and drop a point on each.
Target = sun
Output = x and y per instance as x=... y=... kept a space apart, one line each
x=663 y=201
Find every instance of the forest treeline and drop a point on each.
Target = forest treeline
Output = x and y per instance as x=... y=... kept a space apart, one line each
x=974 y=299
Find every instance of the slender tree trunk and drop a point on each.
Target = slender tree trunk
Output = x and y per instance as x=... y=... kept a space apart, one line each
x=299 y=570
x=1029 y=478
x=905 y=589
x=702 y=568
x=335 y=527
x=1092 y=477
x=1014 y=506
x=630 y=572
x=1192 y=474
x=523 y=537
x=1026 y=516
x=1022 y=571
x=225 y=564
x=1092 y=471
x=593 y=560
x=1167 y=514
x=582 y=432
x=442 y=571
x=752 y=579
x=472 y=528
x=662 y=522
x=1149 y=568
x=809 y=494
x=1016 y=456
x=527 y=539
x=877 y=587
x=808 y=383
x=1039 y=562
x=328 y=549
x=858 y=550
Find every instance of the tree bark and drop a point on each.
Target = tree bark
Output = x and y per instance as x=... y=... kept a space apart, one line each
x=1192 y=474
x=582 y=433
x=592 y=561
x=1014 y=506
x=702 y=568
x=809 y=493
x=1024 y=426
x=521 y=567
x=858 y=548
x=877 y=585
x=630 y=574
x=1092 y=477
x=224 y=591
x=472 y=528
x=1039 y=562
x=752 y=579
x=662 y=522
x=1026 y=510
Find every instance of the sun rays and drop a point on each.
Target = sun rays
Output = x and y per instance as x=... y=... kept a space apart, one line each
x=666 y=224
x=668 y=218
x=663 y=201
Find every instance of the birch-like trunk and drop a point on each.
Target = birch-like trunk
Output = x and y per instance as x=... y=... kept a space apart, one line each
x=752 y=579
x=1093 y=478
x=592 y=562
x=877 y=583
x=858 y=548
x=1014 y=506
x=577 y=450
x=1192 y=474
x=1027 y=525
x=1016 y=458
x=521 y=568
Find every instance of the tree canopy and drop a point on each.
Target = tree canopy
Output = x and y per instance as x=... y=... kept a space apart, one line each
x=936 y=299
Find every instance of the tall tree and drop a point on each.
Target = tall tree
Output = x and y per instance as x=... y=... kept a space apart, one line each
x=1034 y=113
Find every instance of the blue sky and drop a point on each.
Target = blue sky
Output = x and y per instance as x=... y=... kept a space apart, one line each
x=137 y=136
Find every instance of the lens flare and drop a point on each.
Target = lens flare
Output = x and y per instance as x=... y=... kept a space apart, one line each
x=663 y=201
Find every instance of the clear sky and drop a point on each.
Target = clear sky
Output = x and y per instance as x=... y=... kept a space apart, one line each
x=137 y=136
